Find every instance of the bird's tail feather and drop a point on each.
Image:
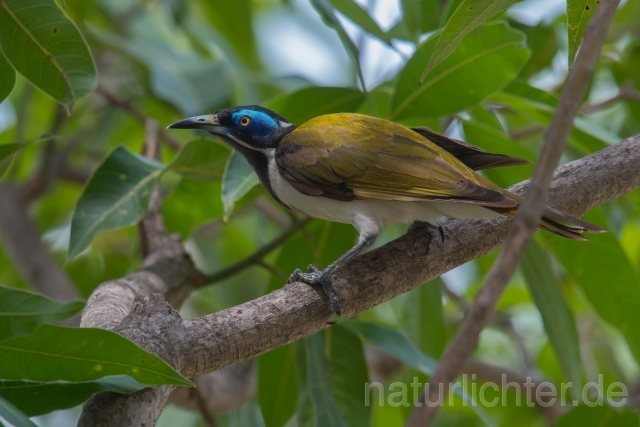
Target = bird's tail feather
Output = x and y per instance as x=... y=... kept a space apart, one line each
x=558 y=222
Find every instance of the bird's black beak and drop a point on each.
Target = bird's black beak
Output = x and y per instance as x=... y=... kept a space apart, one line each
x=207 y=123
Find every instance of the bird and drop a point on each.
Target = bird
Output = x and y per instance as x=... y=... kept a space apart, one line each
x=369 y=172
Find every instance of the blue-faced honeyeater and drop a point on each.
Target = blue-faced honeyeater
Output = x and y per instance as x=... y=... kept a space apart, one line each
x=369 y=172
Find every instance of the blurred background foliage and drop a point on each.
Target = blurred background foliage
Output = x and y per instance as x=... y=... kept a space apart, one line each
x=570 y=314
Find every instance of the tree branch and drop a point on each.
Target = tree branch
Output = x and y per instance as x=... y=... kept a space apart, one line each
x=135 y=307
x=298 y=310
x=525 y=223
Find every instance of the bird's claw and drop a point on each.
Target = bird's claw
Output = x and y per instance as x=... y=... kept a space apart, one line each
x=295 y=276
x=324 y=278
x=312 y=277
x=312 y=269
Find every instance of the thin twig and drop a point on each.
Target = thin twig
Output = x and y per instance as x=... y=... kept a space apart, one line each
x=151 y=148
x=525 y=223
x=257 y=256
x=276 y=214
x=138 y=115
x=457 y=299
x=273 y=270
x=152 y=231
x=51 y=159
x=526 y=132
x=627 y=93
x=21 y=124
x=65 y=171
x=548 y=406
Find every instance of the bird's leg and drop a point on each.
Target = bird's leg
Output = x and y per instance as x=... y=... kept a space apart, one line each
x=423 y=224
x=324 y=277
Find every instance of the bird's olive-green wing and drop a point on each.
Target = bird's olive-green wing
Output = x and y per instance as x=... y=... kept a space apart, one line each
x=351 y=156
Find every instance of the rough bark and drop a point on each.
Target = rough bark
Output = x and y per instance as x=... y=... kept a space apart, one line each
x=154 y=326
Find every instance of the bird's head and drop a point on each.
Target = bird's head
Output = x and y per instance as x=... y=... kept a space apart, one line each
x=251 y=126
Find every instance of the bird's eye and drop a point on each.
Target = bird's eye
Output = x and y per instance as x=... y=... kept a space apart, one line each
x=245 y=120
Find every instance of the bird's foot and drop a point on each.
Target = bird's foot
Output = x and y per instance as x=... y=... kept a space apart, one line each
x=313 y=276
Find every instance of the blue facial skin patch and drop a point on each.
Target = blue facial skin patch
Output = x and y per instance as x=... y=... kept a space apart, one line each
x=262 y=124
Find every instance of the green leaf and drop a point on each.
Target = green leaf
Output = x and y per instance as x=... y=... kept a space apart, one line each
x=7 y=79
x=37 y=398
x=190 y=205
x=277 y=385
x=178 y=75
x=238 y=178
x=378 y=101
x=304 y=416
x=423 y=320
x=418 y=17
x=394 y=343
x=485 y=61
x=44 y=46
x=538 y=106
x=361 y=17
x=469 y=15
x=117 y=195
x=57 y=353
x=524 y=90
x=316 y=101
x=542 y=41
x=13 y=415
x=21 y=311
x=233 y=18
x=325 y=9
x=7 y=151
x=556 y=315
x=579 y=13
x=605 y=275
x=412 y=19
x=317 y=385
x=598 y=416
x=399 y=346
x=347 y=374
x=432 y=10
x=201 y=160
x=494 y=141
